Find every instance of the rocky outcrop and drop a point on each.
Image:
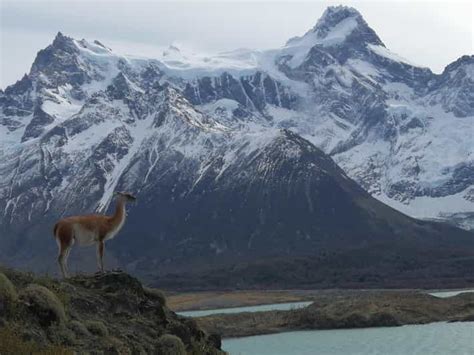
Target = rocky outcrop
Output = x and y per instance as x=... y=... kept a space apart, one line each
x=253 y=92
x=110 y=313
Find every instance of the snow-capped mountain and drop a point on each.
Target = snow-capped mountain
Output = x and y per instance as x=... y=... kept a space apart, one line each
x=402 y=132
x=230 y=155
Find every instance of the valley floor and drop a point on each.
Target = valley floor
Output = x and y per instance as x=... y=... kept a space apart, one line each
x=209 y=300
x=227 y=299
x=344 y=310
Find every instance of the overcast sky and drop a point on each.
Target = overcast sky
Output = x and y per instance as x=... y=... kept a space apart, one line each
x=429 y=33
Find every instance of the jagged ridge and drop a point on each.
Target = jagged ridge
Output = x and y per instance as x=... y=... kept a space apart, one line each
x=86 y=121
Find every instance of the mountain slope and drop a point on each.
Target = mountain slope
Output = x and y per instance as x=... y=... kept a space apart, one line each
x=223 y=157
x=402 y=132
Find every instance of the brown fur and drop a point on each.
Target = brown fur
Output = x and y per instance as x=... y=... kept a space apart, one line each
x=94 y=222
x=90 y=229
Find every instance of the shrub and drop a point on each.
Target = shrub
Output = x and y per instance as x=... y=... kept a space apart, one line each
x=155 y=294
x=61 y=335
x=215 y=340
x=54 y=287
x=180 y=330
x=115 y=346
x=44 y=304
x=97 y=327
x=78 y=328
x=11 y=343
x=8 y=293
x=170 y=345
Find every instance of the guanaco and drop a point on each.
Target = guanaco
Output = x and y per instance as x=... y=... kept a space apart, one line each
x=89 y=230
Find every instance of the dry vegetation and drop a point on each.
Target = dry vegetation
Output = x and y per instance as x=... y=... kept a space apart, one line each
x=347 y=309
x=227 y=299
x=101 y=314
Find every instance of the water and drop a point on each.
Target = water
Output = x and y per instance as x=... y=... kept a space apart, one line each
x=286 y=306
x=429 y=339
x=265 y=307
x=444 y=294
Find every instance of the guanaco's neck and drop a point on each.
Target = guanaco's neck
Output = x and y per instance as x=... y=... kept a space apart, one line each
x=119 y=214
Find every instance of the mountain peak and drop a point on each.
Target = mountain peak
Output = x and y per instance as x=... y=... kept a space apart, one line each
x=333 y=15
x=341 y=31
x=61 y=41
x=58 y=63
x=465 y=60
x=336 y=23
x=344 y=20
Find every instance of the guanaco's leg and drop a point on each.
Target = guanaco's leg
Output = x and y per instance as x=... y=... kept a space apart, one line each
x=66 y=257
x=62 y=268
x=100 y=256
x=64 y=237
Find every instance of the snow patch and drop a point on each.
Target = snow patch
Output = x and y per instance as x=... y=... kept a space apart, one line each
x=298 y=48
x=138 y=131
x=431 y=207
x=384 y=52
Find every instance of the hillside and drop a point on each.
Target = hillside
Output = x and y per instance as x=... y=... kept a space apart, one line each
x=110 y=313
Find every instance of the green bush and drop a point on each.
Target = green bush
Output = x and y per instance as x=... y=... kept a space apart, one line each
x=8 y=293
x=170 y=345
x=78 y=328
x=180 y=330
x=155 y=294
x=54 y=287
x=12 y=344
x=44 y=304
x=97 y=327
x=115 y=346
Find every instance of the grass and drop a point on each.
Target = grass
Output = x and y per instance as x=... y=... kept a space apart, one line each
x=154 y=293
x=8 y=293
x=78 y=328
x=54 y=286
x=97 y=328
x=12 y=344
x=44 y=303
x=227 y=299
x=170 y=345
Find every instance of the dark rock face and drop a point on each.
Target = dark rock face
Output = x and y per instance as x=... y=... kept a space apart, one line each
x=36 y=126
x=59 y=62
x=20 y=86
x=250 y=91
x=462 y=179
x=17 y=103
x=455 y=87
x=120 y=87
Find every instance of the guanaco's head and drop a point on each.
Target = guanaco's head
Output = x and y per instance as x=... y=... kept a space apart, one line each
x=126 y=196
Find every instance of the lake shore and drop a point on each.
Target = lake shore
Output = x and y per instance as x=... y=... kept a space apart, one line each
x=208 y=300
x=194 y=301
x=346 y=309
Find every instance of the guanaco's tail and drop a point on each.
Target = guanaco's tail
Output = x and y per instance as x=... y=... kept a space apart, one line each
x=55 y=229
